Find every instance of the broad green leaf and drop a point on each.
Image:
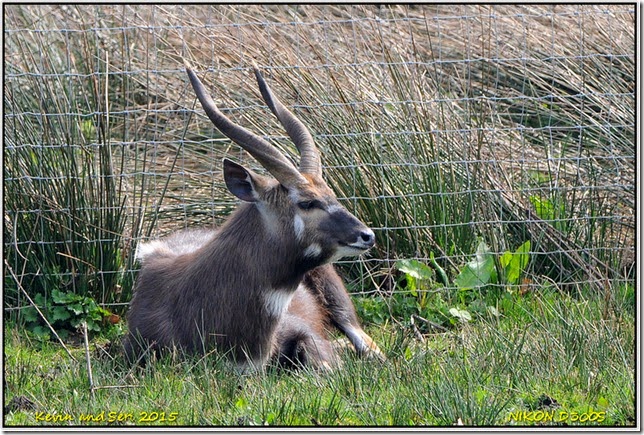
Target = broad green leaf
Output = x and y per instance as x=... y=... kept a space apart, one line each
x=76 y=308
x=241 y=403
x=93 y=325
x=518 y=262
x=415 y=268
x=505 y=259
x=40 y=300
x=411 y=285
x=543 y=207
x=439 y=270
x=60 y=297
x=462 y=315
x=41 y=332
x=479 y=271
x=30 y=314
x=60 y=313
x=270 y=418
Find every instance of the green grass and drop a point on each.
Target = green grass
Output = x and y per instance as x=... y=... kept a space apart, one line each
x=545 y=348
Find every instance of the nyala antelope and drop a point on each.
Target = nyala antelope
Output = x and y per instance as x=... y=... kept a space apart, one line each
x=262 y=287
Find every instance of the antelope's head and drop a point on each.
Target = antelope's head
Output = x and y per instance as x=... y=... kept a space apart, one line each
x=298 y=203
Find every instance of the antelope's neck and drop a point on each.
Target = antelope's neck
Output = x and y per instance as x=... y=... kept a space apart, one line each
x=263 y=255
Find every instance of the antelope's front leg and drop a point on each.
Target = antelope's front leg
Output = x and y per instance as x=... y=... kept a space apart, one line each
x=327 y=286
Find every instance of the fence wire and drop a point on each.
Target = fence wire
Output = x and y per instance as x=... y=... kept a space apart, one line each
x=442 y=126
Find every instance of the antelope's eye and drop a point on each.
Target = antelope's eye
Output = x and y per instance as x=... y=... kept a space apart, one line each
x=309 y=205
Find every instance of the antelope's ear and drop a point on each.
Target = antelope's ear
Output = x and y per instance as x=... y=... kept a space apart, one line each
x=243 y=183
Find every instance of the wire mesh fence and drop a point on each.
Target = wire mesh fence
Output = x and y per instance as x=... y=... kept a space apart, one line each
x=441 y=126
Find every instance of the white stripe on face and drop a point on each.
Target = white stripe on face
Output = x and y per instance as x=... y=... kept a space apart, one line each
x=334 y=208
x=298 y=226
x=313 y=250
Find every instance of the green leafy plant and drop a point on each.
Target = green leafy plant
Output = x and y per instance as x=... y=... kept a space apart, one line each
x=420 y=291
x=515 y=263
x=417 y=293
x=65 y=312
x=482 y=270
x=479 y=271
x=417 y=278
x=552 y=211
x=462 y=315
x=372 y=309
x=423 y=296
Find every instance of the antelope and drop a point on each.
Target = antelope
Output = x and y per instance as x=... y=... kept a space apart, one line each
x=262 y=287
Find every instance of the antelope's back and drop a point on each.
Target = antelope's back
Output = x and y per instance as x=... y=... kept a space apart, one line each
x=157 y=312
x=174 y=245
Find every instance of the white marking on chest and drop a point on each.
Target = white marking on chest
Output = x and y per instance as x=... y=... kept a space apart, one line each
x=298 y=226
x=276 y=301
x=313 y=250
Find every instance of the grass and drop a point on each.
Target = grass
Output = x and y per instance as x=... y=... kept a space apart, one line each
x=548 y=352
